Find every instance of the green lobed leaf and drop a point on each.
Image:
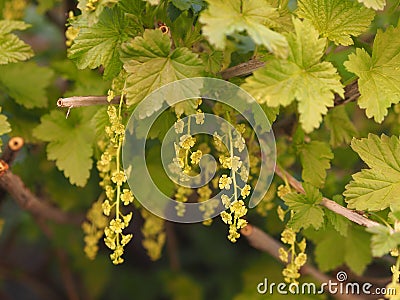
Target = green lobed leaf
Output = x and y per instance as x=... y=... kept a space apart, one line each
x=70 y=142
x=26 y=83
x=351 y=250
x=100 y=44
x=92 y=16
x=379 y=75
x=341 y=128
x=383 y=240
x=151 y=63
x=374 y=4
x=378 y=187
x=302 y=77
x=12 y=49
x=4 y=126
x=224 y=18
x=212 y=61
x=307 y=211
x=196 y=5
x=153 y=2
x=315 y=158
x=336 y=20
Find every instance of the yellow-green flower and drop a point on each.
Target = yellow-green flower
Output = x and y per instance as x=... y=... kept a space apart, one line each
x=109 y=192
x=106 y=207
x=394 y=289
x=283 y=190
x=117 y=225
x=239 y=209
x=245 y=191
x=240 y=128
x=179 y=124
x=226 y=217
x=300 y=260
x=199 y=117
x=127 y=219
x=125 y=239
x=118 y=178
x=233 y=234
x=236 y=163
x=241 y=223
x=196 y=156
x=110 y=95
x=225 y=182
x=283 y=255
x=281 y=213
x=110 y=242
x=288 y=236
x=204 y=192
x=118 y=128
x=291 y=272
x=127 y=196
x=187 y=141
x=112 y=112
x=225 y=201
x=302 y=245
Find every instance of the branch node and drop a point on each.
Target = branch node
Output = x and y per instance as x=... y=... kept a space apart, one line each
x=3 y=167
x=247 y=230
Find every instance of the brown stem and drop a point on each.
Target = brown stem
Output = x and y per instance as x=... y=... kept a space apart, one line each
x=329 y=204
x=62 y=257
x=13 y=146
x=29 y=202
x=242 y=69
x=78 y=101
x=263 y=242
x=172 y=246
x=351 y=93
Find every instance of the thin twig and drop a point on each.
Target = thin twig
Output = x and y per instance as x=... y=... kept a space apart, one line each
x=172 y=246
x=263 y=242
x=242 y=69
x=78 y=101
x=351 y=93
x=329 y=204
x=29 y=202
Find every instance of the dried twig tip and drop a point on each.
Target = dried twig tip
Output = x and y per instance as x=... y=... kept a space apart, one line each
x=16 y=143
x=60 y=102
x=3 y=167
x=247 y=230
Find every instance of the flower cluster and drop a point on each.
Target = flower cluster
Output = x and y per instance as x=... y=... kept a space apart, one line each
x=14 y=9
x=153 y=234
x=233 y=218
x=181 y=196
x=394 y=285
x=93 y=229
x=72 y=31
x=187 y=159
x=295 y=256
x=234 y=204
x=114 y=182
x=209 y=205
x=91 y=5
